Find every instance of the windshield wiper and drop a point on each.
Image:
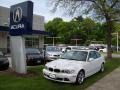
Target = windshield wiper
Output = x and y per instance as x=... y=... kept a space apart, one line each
x=63 y=58
x=71 y=58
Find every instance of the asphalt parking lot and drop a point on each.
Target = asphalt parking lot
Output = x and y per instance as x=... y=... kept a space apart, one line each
x=109 y=82
x=113 y=55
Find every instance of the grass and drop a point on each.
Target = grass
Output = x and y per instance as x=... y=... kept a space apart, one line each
x=11 y=81
x=116 y=52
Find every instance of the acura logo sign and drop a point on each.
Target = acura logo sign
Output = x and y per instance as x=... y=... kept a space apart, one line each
x=21 y=18
x=17 y=14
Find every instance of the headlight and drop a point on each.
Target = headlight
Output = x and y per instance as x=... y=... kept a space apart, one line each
x=48 y=55
x=68 y=71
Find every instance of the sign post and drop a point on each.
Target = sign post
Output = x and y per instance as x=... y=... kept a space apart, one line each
x=21 y=18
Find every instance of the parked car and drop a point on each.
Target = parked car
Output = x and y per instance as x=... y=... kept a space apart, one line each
x=74 y=66
x=4 y=63
x=94 y=48
x=63 y=48
x=76 y=48
x=69 y=48
x=83 y=47
x=53 y=52
x=103 y=49
x=34 y=56
x=114 y=48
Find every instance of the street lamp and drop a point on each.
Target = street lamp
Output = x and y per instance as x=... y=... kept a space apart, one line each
x=76 y=40
x=117 y=40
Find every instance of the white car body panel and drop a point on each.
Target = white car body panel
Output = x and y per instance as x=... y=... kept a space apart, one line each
x=66 y=64
x=90 y=68
x=103 y=50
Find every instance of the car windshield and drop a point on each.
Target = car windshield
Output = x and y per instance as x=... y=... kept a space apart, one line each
x=75 y=55
x=32 y=51
x=54 y=49
x=1 y=54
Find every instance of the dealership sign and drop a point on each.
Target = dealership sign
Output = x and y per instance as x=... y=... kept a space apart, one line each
x=21 y=18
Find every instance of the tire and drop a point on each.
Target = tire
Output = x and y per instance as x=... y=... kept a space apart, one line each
x=101 y=51
x=102 y=67
x=80 y=78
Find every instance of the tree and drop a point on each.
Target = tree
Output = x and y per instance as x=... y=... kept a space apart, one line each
x=117 y=27
x=116 y=30
x=78 y=18
x=106 y=10
x=88 y=25
x=52 y=26
x=85 y=30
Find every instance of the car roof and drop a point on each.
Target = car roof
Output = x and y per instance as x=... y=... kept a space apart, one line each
x=76 y=46
x=51 y=46
x=87 y=50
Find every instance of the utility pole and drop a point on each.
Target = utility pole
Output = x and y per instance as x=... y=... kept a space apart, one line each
x=76 y=41
x=53 y=38
x=117 y=40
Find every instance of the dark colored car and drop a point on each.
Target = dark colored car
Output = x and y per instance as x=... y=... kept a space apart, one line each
x=34 y=57
x=4 y=63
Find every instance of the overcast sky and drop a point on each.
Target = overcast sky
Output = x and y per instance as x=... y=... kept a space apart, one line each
x=41 y=7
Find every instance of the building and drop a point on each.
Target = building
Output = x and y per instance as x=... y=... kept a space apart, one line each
x=34 y=41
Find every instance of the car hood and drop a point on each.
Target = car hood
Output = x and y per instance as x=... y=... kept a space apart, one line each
x=66 y=64
x=54 y=53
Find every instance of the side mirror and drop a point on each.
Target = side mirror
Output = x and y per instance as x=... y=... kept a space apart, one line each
x=91 y=59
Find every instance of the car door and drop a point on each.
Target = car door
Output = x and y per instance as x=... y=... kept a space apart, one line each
x=99 y=61
x=92 y=63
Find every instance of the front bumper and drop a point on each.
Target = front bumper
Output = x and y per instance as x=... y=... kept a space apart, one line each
x=60 y=77
x=35 y=61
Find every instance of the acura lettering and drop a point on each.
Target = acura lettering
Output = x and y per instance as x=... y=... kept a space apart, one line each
x=19 y=26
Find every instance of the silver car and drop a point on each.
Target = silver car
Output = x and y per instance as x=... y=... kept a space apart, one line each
x=53 y=52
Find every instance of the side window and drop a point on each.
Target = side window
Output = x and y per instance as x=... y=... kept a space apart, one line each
x=92 y=54
x=98 y=54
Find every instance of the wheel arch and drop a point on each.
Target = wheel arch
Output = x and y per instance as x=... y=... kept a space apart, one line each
x=82 y=70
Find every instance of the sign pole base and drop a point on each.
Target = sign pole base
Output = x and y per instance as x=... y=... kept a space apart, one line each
x=18 y=54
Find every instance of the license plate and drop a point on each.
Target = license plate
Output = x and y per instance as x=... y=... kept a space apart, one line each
x=52 y=76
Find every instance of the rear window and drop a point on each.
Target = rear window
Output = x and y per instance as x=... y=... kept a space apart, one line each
x=52 y=49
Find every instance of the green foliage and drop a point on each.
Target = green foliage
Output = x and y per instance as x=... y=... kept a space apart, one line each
x=117 y=27
x=102 y=10
x=85 y=29
x=53 y=26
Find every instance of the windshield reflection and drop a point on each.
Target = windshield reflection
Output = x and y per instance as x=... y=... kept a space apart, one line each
x=75 y=55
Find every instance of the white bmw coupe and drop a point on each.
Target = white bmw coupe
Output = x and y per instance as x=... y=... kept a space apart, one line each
x=74 y=66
